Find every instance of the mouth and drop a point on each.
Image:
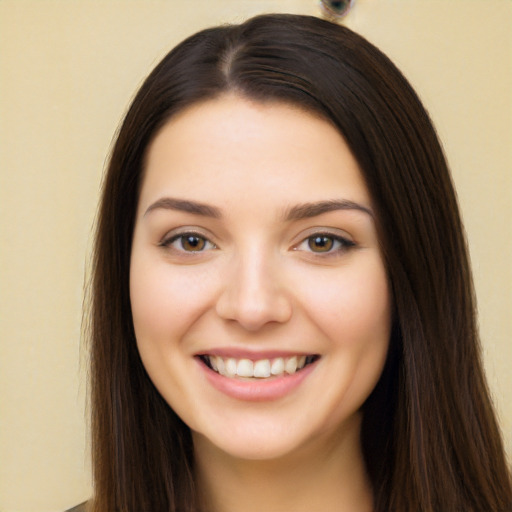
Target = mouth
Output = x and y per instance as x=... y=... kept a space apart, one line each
x=260 y=369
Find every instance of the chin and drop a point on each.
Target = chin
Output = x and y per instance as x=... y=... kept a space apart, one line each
x=251 y=443
x=265 y=440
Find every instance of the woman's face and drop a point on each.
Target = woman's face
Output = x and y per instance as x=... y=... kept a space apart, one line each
x=260 y=301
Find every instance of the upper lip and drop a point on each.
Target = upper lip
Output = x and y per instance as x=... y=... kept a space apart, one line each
x=254 y=355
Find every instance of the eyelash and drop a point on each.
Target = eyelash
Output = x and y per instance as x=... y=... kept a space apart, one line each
x=182 y=237
x=338 y=243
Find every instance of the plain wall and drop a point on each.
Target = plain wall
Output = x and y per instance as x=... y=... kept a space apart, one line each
x=67 y=72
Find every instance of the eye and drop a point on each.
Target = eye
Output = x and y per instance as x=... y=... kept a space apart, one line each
x=188 y=242
x=321 y=243
x=325 y=243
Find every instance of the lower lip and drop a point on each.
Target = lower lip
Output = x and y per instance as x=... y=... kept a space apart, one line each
x=257 y=390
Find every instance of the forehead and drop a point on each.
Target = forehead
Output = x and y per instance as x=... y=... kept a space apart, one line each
x=232 y=147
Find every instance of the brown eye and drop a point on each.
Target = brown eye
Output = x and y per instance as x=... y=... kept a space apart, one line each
x=320 y=243
x=325 y=244
x=188 y=243
x=192 y=243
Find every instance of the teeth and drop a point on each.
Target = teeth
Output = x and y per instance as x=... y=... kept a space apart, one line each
x=245 y=368
x=231 y=367
x=291 y=365
x=277 y=367
x=263 y=368
x=221 y=366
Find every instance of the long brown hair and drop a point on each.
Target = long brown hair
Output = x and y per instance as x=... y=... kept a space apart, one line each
x=430 y=438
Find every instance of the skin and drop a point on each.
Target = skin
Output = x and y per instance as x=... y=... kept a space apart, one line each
x=260 y=282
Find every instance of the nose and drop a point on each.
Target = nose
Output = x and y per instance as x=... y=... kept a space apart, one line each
x=253 y=294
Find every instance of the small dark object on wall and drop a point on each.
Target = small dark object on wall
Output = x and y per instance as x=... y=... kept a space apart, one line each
x=335 y=9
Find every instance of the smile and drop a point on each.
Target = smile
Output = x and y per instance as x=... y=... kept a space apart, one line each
x=262 y=378
x=260 y=369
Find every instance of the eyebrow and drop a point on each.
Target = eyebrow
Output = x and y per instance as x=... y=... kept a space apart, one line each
x=297 y=212
x=184 y=205
x=308 y=210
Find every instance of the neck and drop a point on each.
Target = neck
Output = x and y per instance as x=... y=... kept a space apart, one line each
x=320 y=477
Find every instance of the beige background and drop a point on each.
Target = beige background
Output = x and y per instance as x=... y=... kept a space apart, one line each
x=67 y=72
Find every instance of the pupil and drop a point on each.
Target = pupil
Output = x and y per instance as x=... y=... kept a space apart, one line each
x=193 y=243
x=320 y=243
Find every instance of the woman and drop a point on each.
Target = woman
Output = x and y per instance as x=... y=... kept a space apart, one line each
x=282 y=308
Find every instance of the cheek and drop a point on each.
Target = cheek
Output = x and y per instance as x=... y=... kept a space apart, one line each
x=165 y=300
x=352 y=306
x=150 y=300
